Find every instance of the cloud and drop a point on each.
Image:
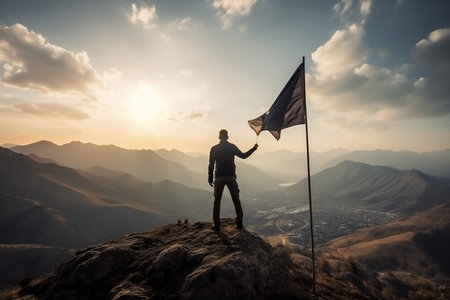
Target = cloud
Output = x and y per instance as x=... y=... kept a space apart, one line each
x=431 y=55
x=228 y=10
x=51 y=109
x=30 y=62
x=351 y=11
x=341 y=53
x=196 y=113
x=184 y=24
x=143 y=15
x=350 y=92
x=365 y=7
x=435 y=49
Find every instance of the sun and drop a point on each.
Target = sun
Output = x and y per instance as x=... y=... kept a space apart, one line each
x=146 y=105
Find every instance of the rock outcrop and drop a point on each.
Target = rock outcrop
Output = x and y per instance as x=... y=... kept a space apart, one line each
x=176 y=261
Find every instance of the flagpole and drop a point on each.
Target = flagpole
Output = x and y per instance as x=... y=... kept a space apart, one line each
x=309 y=183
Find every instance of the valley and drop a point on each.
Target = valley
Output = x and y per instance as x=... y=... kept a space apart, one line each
x=329 y=222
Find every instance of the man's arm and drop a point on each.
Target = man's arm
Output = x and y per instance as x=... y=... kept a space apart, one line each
x=242 y=155
x=211 y=168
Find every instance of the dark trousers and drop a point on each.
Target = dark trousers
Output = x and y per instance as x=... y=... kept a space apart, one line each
x=233 y=187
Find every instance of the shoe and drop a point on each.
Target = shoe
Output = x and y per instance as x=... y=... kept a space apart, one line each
x=239 y=224
x=216 y=227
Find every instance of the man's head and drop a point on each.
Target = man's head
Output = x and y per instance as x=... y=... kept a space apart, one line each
x=223 y=135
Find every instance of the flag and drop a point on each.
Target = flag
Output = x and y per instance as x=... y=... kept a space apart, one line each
x=287 y=110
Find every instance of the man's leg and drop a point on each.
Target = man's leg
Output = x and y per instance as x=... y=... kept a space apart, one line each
x=234 y=191
x=218 y=191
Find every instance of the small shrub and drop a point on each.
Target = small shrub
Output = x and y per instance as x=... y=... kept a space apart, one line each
x=324 y=265
x=389 y=293
x=350 y=261
x=26 y=279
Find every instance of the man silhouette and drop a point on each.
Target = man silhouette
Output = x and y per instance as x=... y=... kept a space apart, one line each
x=222 y=157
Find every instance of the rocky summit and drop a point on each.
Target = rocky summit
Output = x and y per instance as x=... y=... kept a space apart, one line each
x=175 y=261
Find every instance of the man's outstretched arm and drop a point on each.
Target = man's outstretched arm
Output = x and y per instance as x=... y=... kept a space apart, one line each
x=242 y=155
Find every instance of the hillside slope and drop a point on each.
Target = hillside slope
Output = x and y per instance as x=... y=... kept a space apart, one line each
x=419 y=244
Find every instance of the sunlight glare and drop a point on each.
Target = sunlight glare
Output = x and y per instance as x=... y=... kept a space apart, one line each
x=145 y=105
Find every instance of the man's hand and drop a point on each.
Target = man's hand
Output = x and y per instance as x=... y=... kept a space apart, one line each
x=255 y=147
x=211 y=184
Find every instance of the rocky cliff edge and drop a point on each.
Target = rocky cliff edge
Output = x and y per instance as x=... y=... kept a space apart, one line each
x=175 y=261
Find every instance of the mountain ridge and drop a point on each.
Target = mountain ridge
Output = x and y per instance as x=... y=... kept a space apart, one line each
x=375 y=187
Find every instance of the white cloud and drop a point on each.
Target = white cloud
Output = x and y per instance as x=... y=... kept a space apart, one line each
x=365 y=7
x=111 y=75
x=344 y=51
x=194 y=114
x=351 y=11
x=184 y=24
x=31 y=62
x=230 y=9
x=49 y=109
x=342 y=7
x=143 y=15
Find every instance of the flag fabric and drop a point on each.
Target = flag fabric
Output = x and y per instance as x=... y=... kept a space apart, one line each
x=287 y=110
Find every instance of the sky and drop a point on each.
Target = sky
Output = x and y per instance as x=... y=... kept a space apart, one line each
x=169 y=74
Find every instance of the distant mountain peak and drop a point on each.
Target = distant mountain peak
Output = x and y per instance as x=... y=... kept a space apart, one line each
x=43 y=143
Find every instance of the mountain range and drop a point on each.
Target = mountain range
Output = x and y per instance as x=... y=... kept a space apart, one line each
x=147 y=165
x=363 y=186
x=47 y=209
x=435 y=163
x=291 y=166
x=59 y=206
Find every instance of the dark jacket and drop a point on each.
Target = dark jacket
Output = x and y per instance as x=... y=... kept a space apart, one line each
x=222 y=155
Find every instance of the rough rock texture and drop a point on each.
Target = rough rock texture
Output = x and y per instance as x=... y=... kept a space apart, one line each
x=186 y=261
